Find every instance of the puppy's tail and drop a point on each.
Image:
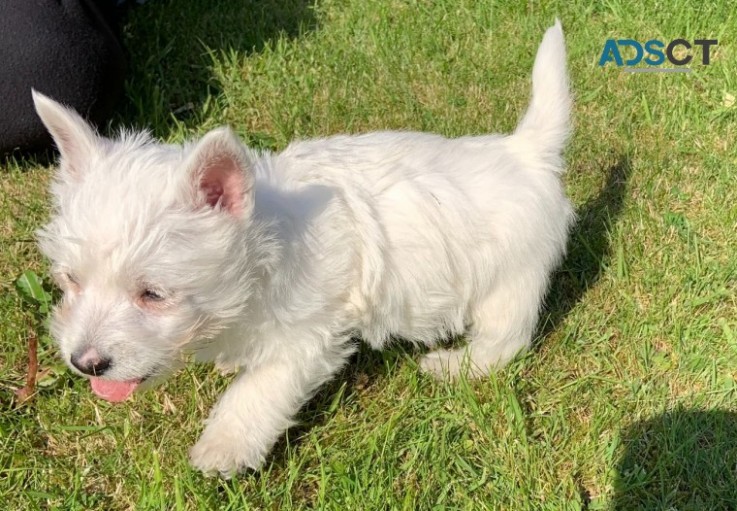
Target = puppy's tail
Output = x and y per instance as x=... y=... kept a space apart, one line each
x=546 y=124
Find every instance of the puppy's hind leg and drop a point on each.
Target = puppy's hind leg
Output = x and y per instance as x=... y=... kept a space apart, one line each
x=502 y=325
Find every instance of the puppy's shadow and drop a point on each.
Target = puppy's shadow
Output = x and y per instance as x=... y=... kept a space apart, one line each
x=683 y=459
x=367 y=367
x=589 y=248
x=171 y=43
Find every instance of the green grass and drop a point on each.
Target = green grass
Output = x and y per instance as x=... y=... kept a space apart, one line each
x=628 y=400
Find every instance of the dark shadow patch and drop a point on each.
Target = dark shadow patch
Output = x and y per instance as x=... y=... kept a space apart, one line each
x=170 y=45
x=682 y=459
x=589 y=248
x=28 y=159
x=365 y=369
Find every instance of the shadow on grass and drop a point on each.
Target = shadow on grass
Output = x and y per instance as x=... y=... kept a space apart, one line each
x=171 y=45
x=680 y=460
x=589 y=248
x=366 y=368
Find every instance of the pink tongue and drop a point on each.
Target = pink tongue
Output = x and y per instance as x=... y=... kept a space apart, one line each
x=113 y=391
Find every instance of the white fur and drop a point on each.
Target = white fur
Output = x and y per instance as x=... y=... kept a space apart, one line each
x=271 y=263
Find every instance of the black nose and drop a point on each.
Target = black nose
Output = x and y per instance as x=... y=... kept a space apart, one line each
x=91 y=363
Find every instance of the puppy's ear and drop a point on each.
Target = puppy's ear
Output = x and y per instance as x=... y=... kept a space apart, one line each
x=74 y=138
x=220 y=170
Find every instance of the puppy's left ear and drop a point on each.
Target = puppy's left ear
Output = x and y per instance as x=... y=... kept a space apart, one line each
x=221 y=174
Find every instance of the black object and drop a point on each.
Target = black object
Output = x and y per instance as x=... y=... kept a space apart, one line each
x=67 y=49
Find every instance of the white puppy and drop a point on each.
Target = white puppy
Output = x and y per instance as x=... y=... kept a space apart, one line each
x=272 y=263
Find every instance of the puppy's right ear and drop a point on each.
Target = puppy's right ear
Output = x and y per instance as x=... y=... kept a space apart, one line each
x=74 y=138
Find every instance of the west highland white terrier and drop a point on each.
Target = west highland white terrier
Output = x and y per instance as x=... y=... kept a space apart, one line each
x=270 y=264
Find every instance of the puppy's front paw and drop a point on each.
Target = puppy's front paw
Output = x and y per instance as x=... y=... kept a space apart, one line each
x=220 y=450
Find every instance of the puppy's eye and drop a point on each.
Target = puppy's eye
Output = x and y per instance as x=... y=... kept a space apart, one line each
x=66 y=280
x=150 y=295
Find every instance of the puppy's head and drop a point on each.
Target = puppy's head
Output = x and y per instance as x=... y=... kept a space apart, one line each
x=149 y=244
